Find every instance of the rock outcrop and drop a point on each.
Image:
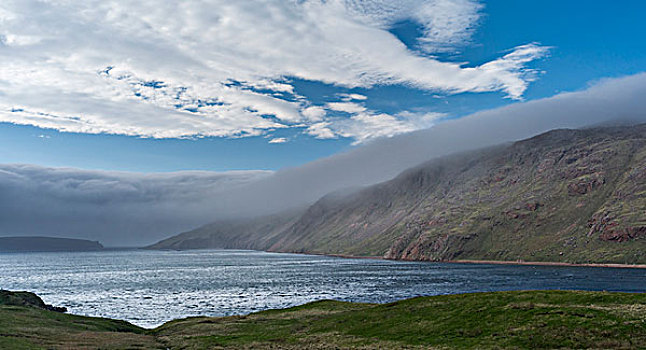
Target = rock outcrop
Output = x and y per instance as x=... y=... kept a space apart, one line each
x=27 y=299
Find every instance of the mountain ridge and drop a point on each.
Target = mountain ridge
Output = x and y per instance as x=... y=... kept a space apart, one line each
x=575 y=196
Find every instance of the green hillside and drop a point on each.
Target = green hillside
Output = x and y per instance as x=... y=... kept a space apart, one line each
x=531 y=319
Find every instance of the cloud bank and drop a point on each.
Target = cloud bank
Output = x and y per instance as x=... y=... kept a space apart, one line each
x=608 y=100
x=117 y=208
x=124 y=208
x=223 y=68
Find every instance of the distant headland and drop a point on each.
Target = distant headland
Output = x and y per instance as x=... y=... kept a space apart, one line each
x=47 y=244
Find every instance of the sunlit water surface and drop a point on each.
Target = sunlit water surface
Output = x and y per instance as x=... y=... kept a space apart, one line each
x=149 y=288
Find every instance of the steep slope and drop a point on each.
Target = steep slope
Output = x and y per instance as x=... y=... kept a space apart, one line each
x=257 y=233
x=567 y=195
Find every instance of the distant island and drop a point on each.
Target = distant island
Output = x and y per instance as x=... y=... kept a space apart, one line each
x=47 y=244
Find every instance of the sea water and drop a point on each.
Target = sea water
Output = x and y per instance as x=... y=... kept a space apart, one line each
x=149 y=288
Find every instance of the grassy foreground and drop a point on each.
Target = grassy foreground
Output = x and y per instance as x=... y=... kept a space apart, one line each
x=527 y=319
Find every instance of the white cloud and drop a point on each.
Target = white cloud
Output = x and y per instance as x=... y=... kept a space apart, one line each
x=321 y=131
x=278 y=140
x=347 y=107
x=365 y=124
x=514 y=62
x=445 y=23
x=371 y=125
x=222 y=68
x=350 y=97
x=18 y=40
x=314 y=113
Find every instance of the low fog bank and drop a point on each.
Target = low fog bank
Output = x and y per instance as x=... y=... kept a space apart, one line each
x=121 y=209
x=608 y=101
x=115 y=208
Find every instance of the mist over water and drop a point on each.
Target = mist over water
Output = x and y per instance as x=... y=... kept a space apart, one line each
x=149 y=288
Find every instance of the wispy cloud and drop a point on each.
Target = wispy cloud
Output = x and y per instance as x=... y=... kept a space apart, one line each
x=446 y=24
x=366 y=125
x=350 y=97
x=278 y=140
x=223 y=68
x=347 y=107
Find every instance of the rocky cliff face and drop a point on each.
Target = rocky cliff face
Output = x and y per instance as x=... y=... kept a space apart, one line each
x=567 y=195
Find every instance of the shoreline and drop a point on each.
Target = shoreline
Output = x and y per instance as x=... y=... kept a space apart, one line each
x=487 y=262
x=546 y=263
x=456 y=261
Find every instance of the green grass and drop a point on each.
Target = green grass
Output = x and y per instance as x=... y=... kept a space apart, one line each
x=528 y=319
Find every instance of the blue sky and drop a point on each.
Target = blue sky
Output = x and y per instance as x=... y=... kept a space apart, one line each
x=74 y=121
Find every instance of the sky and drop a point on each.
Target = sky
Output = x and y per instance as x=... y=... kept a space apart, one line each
x=127 y=122
x=215 y=85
